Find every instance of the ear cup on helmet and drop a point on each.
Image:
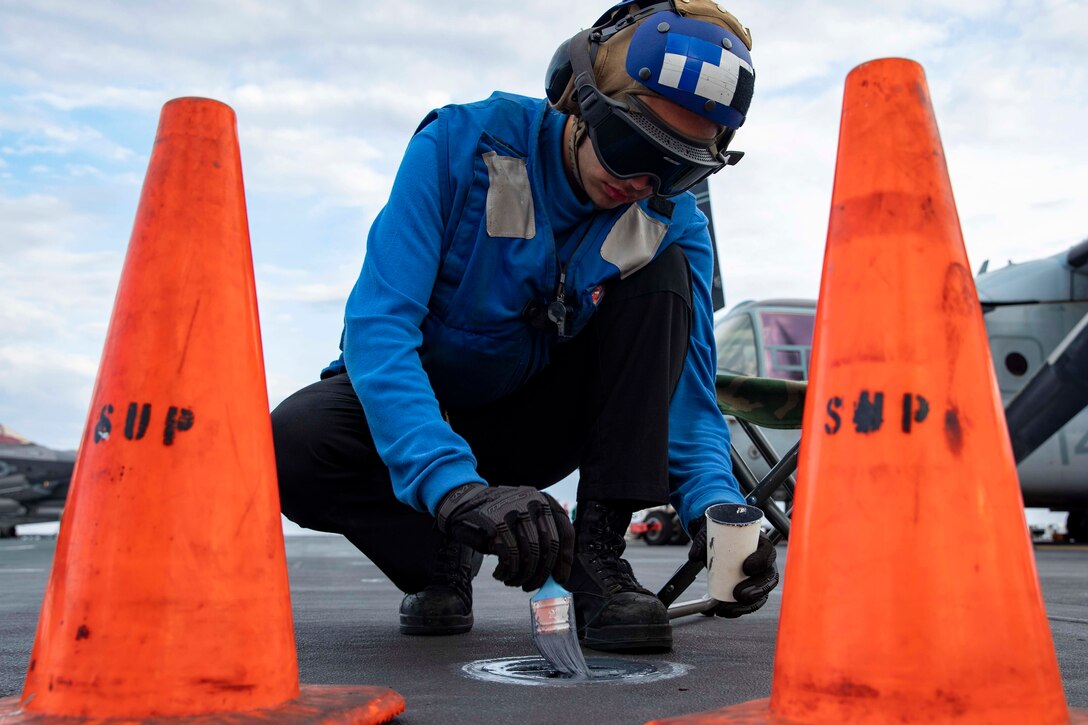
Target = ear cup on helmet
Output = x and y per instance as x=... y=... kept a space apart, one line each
x=559 y=72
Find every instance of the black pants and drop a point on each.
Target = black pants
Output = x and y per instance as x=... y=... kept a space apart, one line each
x=600 y=406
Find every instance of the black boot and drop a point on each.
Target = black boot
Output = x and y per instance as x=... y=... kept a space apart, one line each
x=614 y=612
x=445 y=605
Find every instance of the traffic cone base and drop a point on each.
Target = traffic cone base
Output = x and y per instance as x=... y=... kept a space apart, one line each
x=754 y=712
x=316 y=704
x=758 y=712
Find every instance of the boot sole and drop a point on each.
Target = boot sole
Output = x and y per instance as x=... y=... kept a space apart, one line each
x=643 y=638
x=435 y=626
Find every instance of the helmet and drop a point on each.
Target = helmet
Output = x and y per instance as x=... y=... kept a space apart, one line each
x=690 y=52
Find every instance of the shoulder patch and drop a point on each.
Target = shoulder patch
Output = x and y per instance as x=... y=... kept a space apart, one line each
x=633 y=240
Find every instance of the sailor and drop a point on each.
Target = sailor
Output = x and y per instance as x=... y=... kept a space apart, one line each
x=535 y=300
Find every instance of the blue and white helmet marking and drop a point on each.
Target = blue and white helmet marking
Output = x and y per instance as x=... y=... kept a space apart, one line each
x=696 y=66
x=692 y=63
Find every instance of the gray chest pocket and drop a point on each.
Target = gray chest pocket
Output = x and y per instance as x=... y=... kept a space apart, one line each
x=509 y=198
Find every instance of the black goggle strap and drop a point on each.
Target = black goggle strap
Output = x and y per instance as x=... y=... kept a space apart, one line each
x=586 y=93
x=595 y=107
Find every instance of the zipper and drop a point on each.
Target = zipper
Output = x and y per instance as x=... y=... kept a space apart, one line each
x=558 y=312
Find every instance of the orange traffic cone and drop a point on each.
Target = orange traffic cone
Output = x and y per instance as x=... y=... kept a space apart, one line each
x=910 y=593
x=168 y=596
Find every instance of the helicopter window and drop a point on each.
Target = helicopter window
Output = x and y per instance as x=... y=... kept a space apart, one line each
x=736 y=341
x=787 y=343
x=1016 y=358
x=1016 y=363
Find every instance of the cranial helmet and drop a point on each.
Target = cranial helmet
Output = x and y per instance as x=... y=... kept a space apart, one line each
x=690 y=52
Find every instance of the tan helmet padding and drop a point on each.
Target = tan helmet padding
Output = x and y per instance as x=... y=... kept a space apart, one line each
x=610 y=65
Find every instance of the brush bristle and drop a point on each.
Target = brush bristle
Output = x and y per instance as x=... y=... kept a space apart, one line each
x=561 y=651
x=555 y=637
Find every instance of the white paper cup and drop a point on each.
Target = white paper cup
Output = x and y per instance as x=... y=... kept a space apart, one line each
x=732 y=534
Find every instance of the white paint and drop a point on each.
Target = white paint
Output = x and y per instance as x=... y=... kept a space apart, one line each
x=511 y=671
x=719 y=82
x=672 y=67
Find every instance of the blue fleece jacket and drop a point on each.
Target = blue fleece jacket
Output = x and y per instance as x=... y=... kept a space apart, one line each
x=480 y=219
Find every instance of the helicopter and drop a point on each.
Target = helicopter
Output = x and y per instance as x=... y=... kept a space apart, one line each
x=1036 y=316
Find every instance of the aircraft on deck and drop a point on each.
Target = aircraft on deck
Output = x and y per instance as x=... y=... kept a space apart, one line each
x=1036 y=316
x=33 y=481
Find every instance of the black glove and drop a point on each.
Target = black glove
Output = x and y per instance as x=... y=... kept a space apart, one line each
x=528 y=531
x=750 y=593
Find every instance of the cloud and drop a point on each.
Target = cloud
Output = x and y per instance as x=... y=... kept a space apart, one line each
x=69 y=97
x=1001 y=80
x=45 y=394
x=31 y=222
x=290 y=288
x=311 y=161
x=53 y=290
x=32 y=133
x=328 y=94
x=817 y=43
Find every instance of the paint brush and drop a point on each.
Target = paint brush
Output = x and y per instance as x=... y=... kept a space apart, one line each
x=554 y=633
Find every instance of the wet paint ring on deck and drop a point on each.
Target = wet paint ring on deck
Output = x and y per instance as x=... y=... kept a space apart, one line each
x=536 y=671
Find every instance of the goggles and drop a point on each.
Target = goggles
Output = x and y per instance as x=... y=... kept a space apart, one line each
x=632 y=142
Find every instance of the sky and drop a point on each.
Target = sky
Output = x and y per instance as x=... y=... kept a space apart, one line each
x=327 y=95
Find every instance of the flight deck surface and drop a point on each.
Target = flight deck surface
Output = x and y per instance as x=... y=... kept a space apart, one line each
x=346 y=627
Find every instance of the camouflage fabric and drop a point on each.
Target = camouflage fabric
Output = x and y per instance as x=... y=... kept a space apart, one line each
x=767 y=402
